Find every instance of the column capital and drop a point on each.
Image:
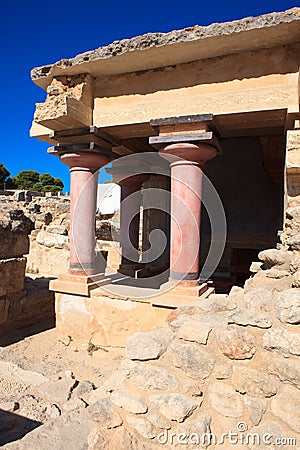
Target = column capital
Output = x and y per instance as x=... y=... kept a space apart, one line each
x=92 y=161
x=181 y=152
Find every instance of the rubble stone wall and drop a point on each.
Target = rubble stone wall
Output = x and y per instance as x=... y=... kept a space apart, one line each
x=21 y=304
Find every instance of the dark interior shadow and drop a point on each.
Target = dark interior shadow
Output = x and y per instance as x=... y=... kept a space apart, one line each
x=34 y=314
x=14 y=427
x=151 y=282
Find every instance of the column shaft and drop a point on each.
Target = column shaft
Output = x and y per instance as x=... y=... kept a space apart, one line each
x=186 y=182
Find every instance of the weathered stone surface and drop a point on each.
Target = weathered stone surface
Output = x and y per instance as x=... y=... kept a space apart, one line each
x=52 y=240
x=282 y=341
x=42 y=75
x=288 y=306
x=180 y=315
x=286 y=369
x=131 y=403
x=237 y=343
x=150 y=345
x=69 y=431
x=194 y=331
x=222 y=372
x=269 y=432
x=57 y=229
x=286 y=406
x=17 y=379
x=196 y=425
x=225 y=400
x=115 y=380
x=148 y=376
x=295 y=263
x=104 y=413
x=277 y=274
x=261 y=298
x=96 y=439
x=256 y=408
x=58 y=391
x=273 y=257
x=4 y=306
x=143 y=426
x=35 y=408
x=14 y=230
x=83 y=388
x=294 y=242
x=192 y=359
x=222 y=302
x=12 y=273
x=175 y=407
x=253 y=382
x=159 y=421
x=296 y=279
x=250 y=317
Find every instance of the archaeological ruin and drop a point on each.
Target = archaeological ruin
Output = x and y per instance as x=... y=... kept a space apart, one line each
x=188 y=299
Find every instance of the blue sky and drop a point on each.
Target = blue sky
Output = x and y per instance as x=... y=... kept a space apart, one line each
x=35 y=33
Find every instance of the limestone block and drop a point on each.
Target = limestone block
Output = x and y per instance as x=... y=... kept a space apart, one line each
x=195 y=331
x=58 y=391
x=108 y=322
x=282 y=341
x=225 y=400
x=237 y=343
x=151 y=345
x=261 y=298
x=174 y=406
x=12 y=273
x=132 y=403
x=68 y=103
x=255 y=383
x=14 y=240
x=286 y=369
x=194 y=360
x=256 y=407
x=149 y=376
x=143 y=427
x=250 y=317
x=104 y=413
x=286 y=406
x=273 y=257
x=288 y=306
x=52 y=240
x=293 y=151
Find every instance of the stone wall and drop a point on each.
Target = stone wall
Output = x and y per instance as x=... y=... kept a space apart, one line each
x=21 y=303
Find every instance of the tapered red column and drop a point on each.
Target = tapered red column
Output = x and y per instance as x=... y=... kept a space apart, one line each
x=84 y=179
x=186 y=183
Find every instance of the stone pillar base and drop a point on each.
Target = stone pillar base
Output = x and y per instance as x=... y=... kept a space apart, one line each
x=77 y=284
x=183 y=295
x=103 y=321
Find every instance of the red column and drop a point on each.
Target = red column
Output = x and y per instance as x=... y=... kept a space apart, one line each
x=84 y=168
x=186 y=183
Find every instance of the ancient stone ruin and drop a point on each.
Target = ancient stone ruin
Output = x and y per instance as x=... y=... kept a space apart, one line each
x=163 y=349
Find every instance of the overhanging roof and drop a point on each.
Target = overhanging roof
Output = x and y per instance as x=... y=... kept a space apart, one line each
x=157 y=50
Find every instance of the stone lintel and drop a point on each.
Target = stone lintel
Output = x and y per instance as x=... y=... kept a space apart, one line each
x=155 y=50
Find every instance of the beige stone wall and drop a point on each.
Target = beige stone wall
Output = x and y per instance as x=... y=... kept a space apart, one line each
x=250 y=81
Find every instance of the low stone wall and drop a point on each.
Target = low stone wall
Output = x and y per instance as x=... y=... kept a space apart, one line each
x=21 y=304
